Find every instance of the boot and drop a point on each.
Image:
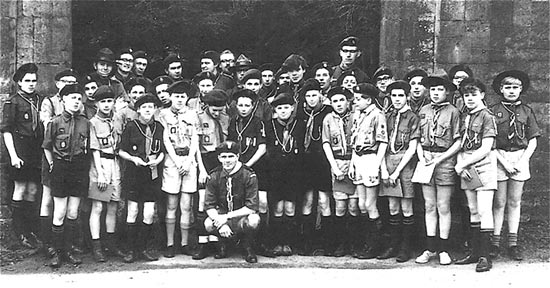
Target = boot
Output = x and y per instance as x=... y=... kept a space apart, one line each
x=58 y=243
x=339 y=236
x=405 y=250
x=375 y=230
x=395 y=235
x=357 y=232
x=97 y=251
x=201 y=253
x=70 y=234
x=307 y=235
x=474 y=254
x=45 y=235
x=112 y=247
x=249 y=255
x=131 y=243
x=221 y=249
x=145 y=236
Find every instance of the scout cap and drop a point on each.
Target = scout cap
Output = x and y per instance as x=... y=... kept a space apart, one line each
x=126 y=51
x=322 y=65
x=103 y=92
x=180 y=87
x=366 y=89
x=310 y=84
x=216 y=98
x=70 y=89
x=105 y=55
x=171 y=59
x=382 y=70
x=399 y=84
x=347 y=73
x=246 y=94
x=349 y=41
x=282 y=99
x=162 y=80
x=415 y=73
x=293 y=62
x=67 y=72
x=267 y=66
x=140 y=54
x=147 y=98
x=212 y=55
x=339 y=90
x=137 y=81
x=252 y=74
x=432 y=81
x=522 y=76
x=89 y=79
x=242 y=63
x=228 y=147
x=460 y=67
x=24 y=69
x=204 y=75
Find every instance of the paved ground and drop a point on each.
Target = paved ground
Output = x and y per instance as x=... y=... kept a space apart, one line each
x=283 y=272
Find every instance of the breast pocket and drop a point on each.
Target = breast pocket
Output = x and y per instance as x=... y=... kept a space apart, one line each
x=335 y=142
x=23 y=114
x=443 y=137
x=105 y=141
x=62 y=142
x=403 y=137
x=521 y=127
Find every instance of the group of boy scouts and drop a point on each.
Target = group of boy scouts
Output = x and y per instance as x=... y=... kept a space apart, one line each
x=264 y=159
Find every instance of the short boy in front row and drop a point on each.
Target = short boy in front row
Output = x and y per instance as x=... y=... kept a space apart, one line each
x=476 y=157
x=369 y=142
x=231 y=200
x=516 y=141
x=66 y=147
x=142 y=145
x=398 y=166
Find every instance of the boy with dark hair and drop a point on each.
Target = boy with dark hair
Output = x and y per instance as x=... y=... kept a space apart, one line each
x=417 y=96
x=103 y=66
x=125 y=63
x=173 y=67
x=383 y=76
x=349 y=55
x=66 y=146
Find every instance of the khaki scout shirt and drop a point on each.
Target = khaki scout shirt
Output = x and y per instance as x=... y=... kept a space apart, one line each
x=440 y=126
x=209 y=136
x=50 y=108
x=476 y=125
x=369 y=128
x=407 y=129
x=180 y=126
x=526 y=126
x=122 y=117
x=102 y=135
x=67 y=136
x=337 y=132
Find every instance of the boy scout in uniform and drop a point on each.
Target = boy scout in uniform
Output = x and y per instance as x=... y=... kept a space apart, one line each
x=66 y=145
x=103 y=66
x=439 y=142
x=349 y=53
x=383 y=76
x=477 y=159
x=268 y=81
x=142 y=146
x=159 y=86
x=23 y=134
x=173 y=67
x=205 y=82
x=252 y=81
x=398 y=166
x=417 y=97
x=231 y=200
x=212 y=127
x=338 y=148
x=369 y=141
x=179 y=181
x=141 y=61
x=457 y=74
x=322 y=73
x=105 y=186
x=516 y=141
x=295 y=65
x=124 y=64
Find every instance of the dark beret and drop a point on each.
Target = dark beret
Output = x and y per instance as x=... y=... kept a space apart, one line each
x=171 y=59
x=522 y=76
x=399 y=84
x=382 y=70
x=293 y=62
x=126 y=51
x=280 y=72
x=67 y=72
x=134 y=81
x=366 y=89
x=204 y=75
x=471 y=82
x=103 y=92
x=242 y=63
x=89 y=79
x=346 y=73
x=162 y=80
x=140 y=54
x=415 y=73
x=338 y=90
x=245 y=93
x=24 y=69
x=252 y=74
x=310 y=84
x=180 y=87
x=349 y=41
x=228 y=147
x=460 y=67
x=70 y=89
x=432 y=81
x=213 y=55
x=147 y=98
x=105 y=55
x=267 y=66
x=282 y=99
x=322 y=65
x=216 y=98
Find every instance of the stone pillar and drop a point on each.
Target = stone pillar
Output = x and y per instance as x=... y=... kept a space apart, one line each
x=31 y=31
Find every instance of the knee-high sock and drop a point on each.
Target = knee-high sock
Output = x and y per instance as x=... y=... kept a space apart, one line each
x=476 y=238
x=484 y=240
x=395 y=230
x=58 y=233
x=18 y=217
x=132 y=236
x=408 y=230
x=70 y=233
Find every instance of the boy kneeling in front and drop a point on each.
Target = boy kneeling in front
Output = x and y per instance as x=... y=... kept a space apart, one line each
x=231 y=200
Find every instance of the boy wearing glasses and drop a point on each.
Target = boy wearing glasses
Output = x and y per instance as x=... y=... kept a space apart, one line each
x=349 y=53
x=124 y=63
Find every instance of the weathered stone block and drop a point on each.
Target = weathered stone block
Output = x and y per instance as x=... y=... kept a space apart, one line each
x=452 y=28
x=501 y=13
x=452 y=9
x=476 y=10
x=25 y=30
x=62 y=8
x=36 y=8
x=522 y=13
x=46 y=85
x=25 y=55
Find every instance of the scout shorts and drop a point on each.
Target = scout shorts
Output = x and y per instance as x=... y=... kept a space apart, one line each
x=513 y=157
x=173 y=182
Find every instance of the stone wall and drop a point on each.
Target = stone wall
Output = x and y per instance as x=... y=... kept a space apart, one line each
x=31 y=31
x=489 y=36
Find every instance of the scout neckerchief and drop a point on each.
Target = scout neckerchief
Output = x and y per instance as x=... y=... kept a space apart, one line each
x=148 y=134
x=468 y=142
x=311 y=113
x=288 y=128
x=33 y=100
x=357 y=124
x=180 y=132
x=342 y=121
x=393 y=137
x=417 y=104
x=241 y=124
x=513 y=129
x=69 y=117
x=218 y=125
x=437 y=107
x=229 y=185
x=108 y=119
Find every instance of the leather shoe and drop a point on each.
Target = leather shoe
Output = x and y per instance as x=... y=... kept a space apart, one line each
x=387 y=254
x=130 y=257
x=340 y=251
x=186 y=250
x=494 y=251
x=221 y=250
x=287 y=250
x=515 y=253
x=148 y=255
x=55 y=260
x=266 y=252
x=403 y=256
x=484 y=264
x=201 y=253
x=368 y=254
x=278 y=250
x=73 y=258
x=250 y=256
x=469 y=259
x=169 y=252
